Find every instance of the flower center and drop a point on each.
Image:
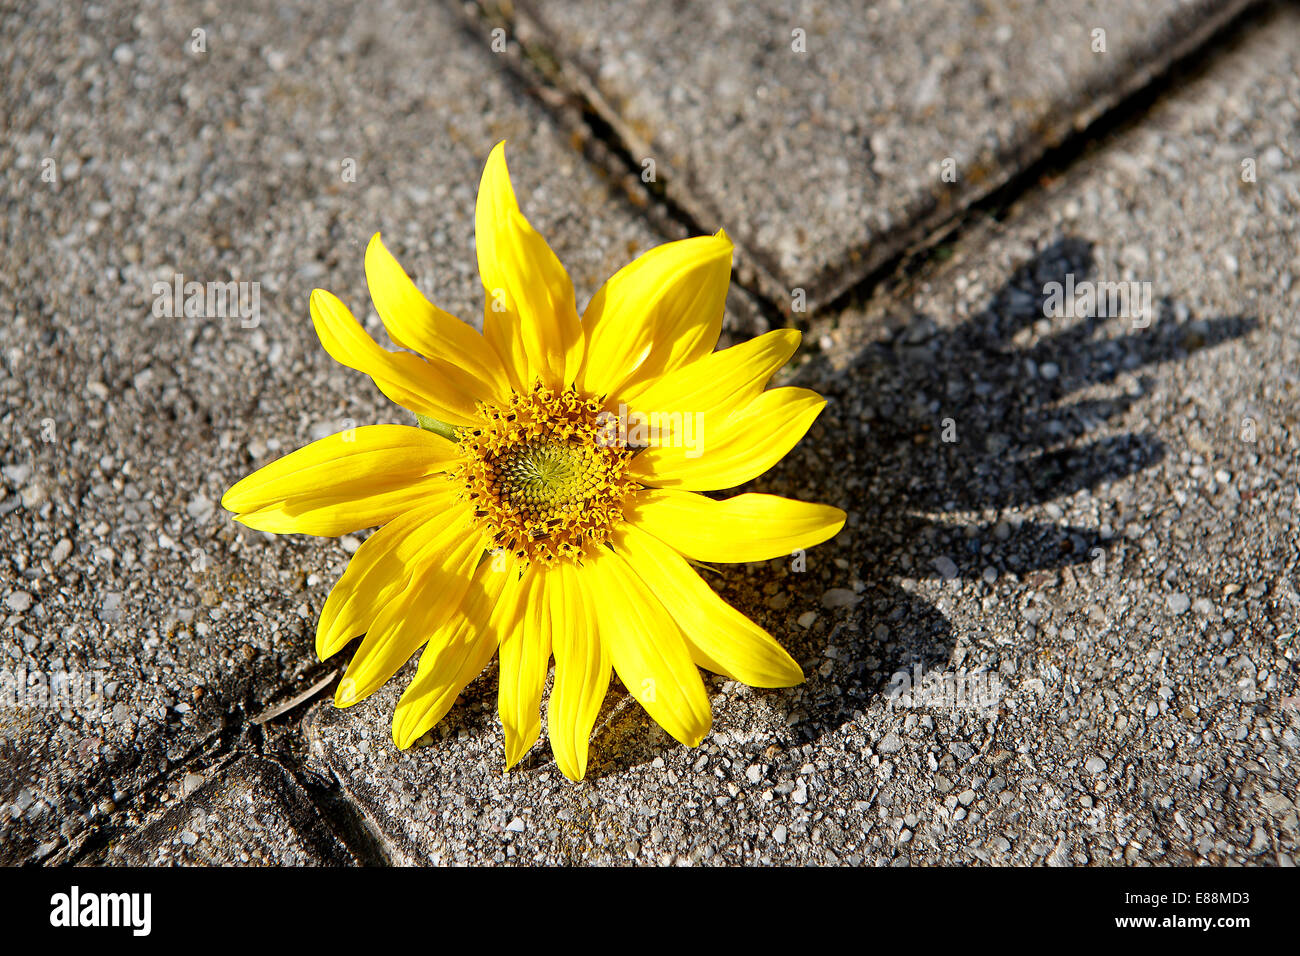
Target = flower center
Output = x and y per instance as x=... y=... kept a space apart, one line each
x=547 y=478
x=543 y=476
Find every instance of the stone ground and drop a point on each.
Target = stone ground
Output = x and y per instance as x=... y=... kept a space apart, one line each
x=1098 y=512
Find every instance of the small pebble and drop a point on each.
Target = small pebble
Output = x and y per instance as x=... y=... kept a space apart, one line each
x=840 y=597
x=19 y=601
x=946 y=567
x=891 y=743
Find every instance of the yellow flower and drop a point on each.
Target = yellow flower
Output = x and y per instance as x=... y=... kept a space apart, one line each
x=550 y=504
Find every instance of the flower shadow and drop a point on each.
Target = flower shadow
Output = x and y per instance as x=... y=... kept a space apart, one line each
x=935 y=440
x=940 y=438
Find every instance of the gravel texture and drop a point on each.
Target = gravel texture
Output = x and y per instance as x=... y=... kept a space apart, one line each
x=1095 y=517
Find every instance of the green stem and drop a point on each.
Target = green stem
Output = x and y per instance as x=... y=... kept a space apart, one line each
x=437 y=427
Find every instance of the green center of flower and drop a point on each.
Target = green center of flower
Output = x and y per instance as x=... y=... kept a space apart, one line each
x=547 y=478
x=545 y=482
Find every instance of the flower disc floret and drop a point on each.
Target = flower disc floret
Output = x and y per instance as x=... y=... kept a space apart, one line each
x=543 y=476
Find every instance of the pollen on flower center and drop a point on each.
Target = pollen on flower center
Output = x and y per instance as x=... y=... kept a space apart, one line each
x=543 y=474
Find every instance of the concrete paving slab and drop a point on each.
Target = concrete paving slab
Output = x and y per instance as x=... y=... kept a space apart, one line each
x=828 y=137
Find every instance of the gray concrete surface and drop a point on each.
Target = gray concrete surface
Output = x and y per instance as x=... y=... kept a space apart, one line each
x=1111 y=533
x=769 y=115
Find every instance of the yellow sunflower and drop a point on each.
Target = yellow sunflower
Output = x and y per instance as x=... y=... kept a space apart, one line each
x=549 y=504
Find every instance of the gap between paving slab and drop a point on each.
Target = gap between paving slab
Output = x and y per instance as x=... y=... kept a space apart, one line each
x=558 y=77
x=251 y=813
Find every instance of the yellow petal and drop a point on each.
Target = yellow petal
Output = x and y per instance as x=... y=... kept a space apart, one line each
x=720 y=638
x=530 y=317
x=431 y=596
x=379 y=571
x=356 y=457
x=508 y=614
x=721 y=381
x=703 y=394
x=581 y=670
x=427 y=386
x=749 y=443
x=656 y=314
x=748 y=527
x=524 y=658
x=330 y=516
x=455 y=655
x=647 y=649
x=356 y=479
x=413 y=322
